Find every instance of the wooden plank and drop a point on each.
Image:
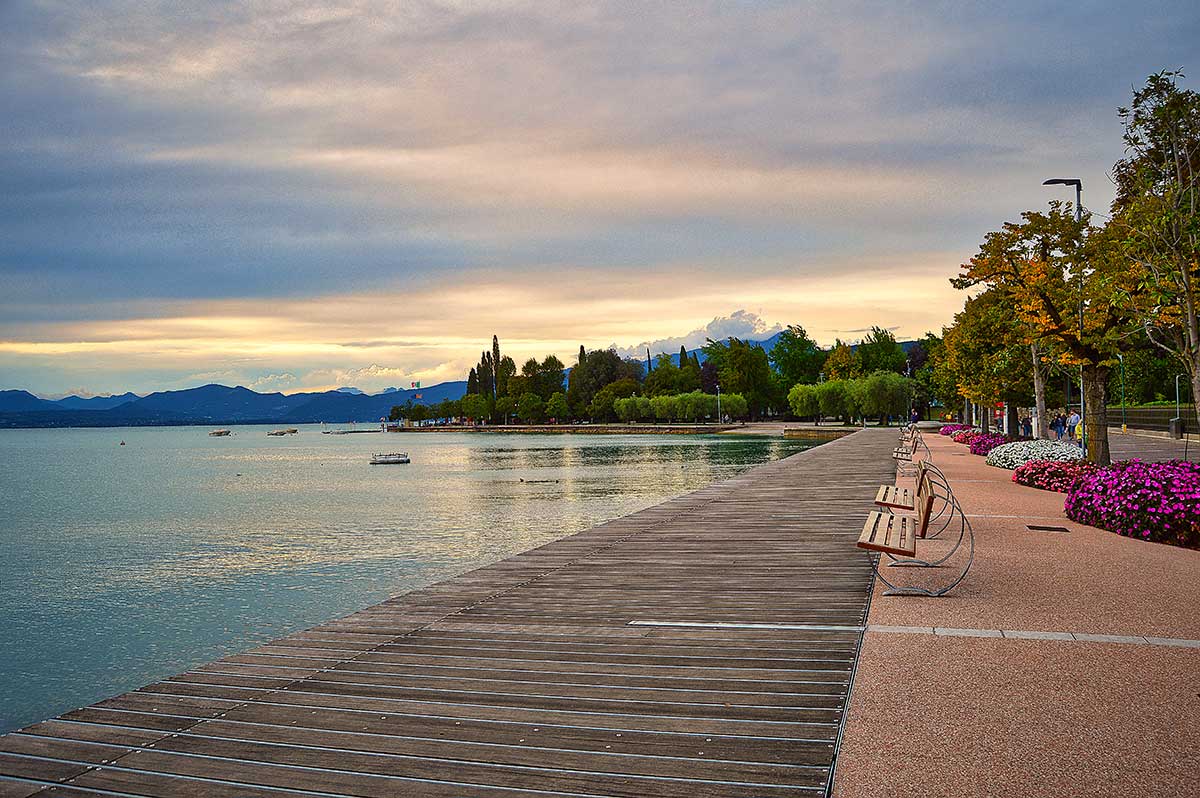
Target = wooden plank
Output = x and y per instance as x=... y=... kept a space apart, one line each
x=526 y=675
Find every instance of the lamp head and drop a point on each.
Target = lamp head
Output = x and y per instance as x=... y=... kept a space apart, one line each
x=1063 y=181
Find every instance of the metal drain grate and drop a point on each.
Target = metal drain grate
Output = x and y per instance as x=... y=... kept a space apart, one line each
x=1036 y=528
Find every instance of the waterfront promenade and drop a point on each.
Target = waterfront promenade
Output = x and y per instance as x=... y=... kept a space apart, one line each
x=635 y=659
x=1067 y=664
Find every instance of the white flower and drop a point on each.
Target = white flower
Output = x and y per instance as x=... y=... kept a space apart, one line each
x=1011 y=455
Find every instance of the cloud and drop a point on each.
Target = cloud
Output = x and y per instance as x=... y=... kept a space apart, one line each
x=739 y=324
x=310 y=188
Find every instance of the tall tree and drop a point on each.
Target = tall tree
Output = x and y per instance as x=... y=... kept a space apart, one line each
x=842 y=363
x=1157 y=209
x=797 y=357
x=472 y=382
x=743 y=368
x=1065 y=280
x=880 y=352
x=506 y=369
x=497 y=386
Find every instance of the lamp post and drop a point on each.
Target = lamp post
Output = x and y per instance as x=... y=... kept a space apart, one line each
x=719 y=419
x=1121 y=358
x=1078 y=184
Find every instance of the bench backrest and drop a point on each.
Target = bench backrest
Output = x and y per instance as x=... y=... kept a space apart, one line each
x=924 y=501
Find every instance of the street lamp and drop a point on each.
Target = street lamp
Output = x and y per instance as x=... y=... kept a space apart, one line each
x=1078 y=184
x=719 y=419
x=1124 y=427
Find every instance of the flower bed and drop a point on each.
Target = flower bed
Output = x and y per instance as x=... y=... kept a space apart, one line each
x=984 y=442
x=965 y=436
x=950 y=429
x=1012 y=455
x=1056 y=475
x=1159 y=502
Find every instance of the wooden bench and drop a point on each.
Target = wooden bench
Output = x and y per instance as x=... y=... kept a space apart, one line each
x=895 y=535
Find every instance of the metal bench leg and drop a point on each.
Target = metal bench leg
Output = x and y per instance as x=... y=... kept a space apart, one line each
x=915 y=590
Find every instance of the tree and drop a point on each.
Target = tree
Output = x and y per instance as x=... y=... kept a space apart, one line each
x=709 y=378
x=531 y=409
x=504 y=408
x=550 y=377
x=987 y=349
x=834 y=399
x=880 y=352
x=496 y=365
x=734 y=405
x=475 y=407
x=842 y=363
x=1157 y=210
x=557 y=408
x=883 y=394
x=797 y=357
x=1055 y=270
x=743 y=368
x=663 y=378
x=504 y=372
x=594 y=371
x=601 y=406
x=472 y=382
x=688 y=378
x=805 y=400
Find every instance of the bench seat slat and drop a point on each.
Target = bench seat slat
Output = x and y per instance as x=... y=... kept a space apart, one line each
x=892 y=496
x=890 y=534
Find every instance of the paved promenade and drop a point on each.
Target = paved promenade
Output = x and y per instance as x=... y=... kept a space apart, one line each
x=1067 y=664
x=635 y=659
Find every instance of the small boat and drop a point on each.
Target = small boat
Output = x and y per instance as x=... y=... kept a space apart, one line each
x=394 y=458
x=275 y=433
x=219 y=433
x=292 y=431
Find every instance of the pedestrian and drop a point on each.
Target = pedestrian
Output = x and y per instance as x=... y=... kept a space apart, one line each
x=1057 y=426
x=1072 y=422
x=1027 y=427
x=915 y=417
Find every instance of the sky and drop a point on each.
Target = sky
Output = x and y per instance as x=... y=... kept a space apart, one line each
x=295 y=196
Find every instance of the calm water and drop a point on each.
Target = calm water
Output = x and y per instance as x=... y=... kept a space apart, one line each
x=120 y=565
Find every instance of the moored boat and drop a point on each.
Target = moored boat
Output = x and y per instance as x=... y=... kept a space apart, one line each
x=219 y=433
x=392 y=458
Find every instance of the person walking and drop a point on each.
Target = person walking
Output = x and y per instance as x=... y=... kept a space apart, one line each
x=1057 y=426
x=1027 y=427
x=1072 y=422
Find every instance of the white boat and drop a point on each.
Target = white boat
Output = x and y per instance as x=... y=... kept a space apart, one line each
x=218 y=433
x=393 y=458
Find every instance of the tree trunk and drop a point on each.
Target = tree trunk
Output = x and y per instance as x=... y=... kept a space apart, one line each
x=1012 y=421
x=1040 y=428
x=1095 y=424
x=984 y=413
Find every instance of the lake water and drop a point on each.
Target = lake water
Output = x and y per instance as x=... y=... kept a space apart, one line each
x=121 y=565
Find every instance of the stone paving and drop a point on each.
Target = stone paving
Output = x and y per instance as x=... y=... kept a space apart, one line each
x=1066 y=664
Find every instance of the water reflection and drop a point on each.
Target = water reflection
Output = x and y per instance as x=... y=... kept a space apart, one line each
x=121 y=565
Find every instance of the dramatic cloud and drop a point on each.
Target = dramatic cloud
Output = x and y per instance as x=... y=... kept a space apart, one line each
x=190 y=189
x=739 y=324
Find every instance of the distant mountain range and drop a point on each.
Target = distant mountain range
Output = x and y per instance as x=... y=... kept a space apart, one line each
x=213 y=404
x=220 y=404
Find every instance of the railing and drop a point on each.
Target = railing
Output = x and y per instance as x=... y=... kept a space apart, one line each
x=1152 y=418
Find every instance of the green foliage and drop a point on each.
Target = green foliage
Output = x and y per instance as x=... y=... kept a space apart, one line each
x=601 y=406
x=557 y=407
x=594 y=371
x=504 y=408
x=633 y=408
x=987 y=349
x=476 y=406
x=834 y=399
x=842 y=362
x=882 y=394
x=805 y=400
x=880 y=352
x=531 y=409
x=743 y=368
x=735 y=406
x=797 y=357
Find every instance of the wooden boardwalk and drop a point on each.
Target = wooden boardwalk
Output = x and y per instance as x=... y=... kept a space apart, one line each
x=546 y=674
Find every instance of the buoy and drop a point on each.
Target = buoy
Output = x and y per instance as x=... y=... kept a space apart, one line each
x=122 y=443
